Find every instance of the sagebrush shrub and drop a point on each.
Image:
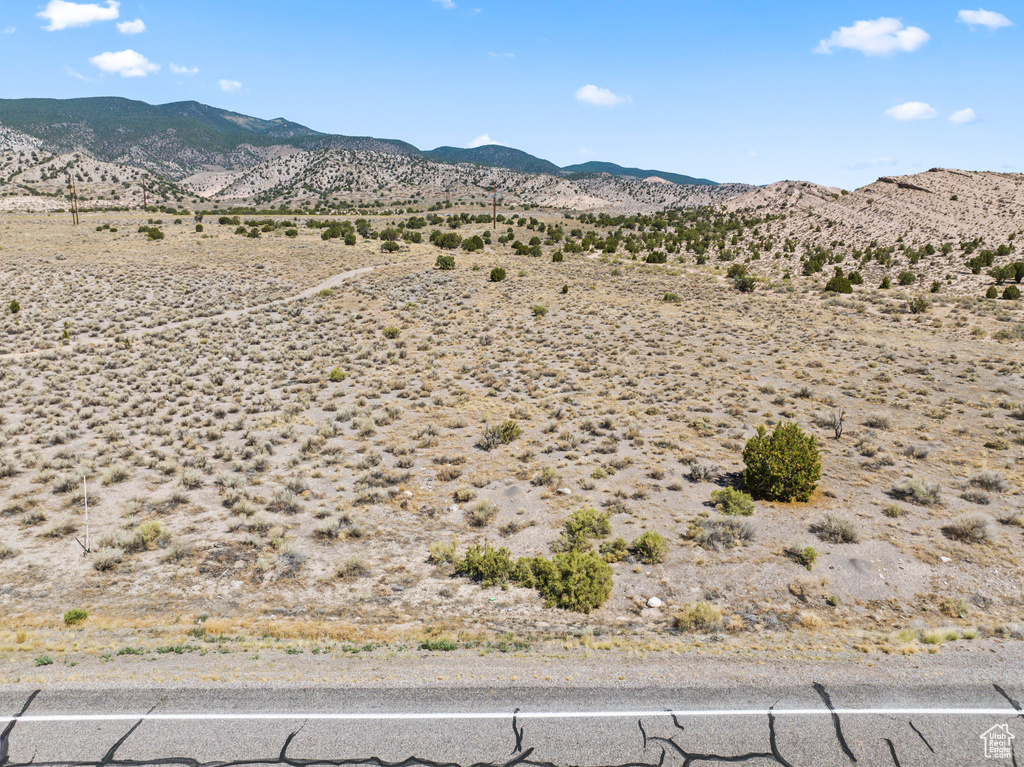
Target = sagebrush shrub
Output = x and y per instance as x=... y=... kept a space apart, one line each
x=504 y=433
x=699 y=617
x=971 y=528
x=614 y=551
x=784 y=466
x=651 y=548
x=729 y=500
x=497 y=274
x=918 y=491
x=836 y=529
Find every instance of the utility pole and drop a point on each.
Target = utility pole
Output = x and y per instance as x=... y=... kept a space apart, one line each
x=85 y=489
x=74 y=200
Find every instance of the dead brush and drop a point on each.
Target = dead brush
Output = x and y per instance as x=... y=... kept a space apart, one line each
x=836 y=529
x=717 y=534
x=480 y=514
x=992 y=481
x=971 y=528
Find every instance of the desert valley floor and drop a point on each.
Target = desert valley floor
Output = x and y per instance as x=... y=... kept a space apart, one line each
x=281 y=435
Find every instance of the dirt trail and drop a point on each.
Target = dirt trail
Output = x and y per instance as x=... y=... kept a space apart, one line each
x=330 y=282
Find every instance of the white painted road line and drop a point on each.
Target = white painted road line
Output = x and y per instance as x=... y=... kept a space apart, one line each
x=71 y=718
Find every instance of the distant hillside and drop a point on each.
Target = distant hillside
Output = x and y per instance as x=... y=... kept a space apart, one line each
x=617 y=170
x=184 y=138
x=494 y=156
x=186 y=148
x=940 y=205
x=173 y=139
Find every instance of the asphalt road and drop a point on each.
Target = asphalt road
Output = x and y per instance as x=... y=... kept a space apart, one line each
x=784 y=725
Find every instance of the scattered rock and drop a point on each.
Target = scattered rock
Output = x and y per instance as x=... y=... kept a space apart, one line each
x=654 y=602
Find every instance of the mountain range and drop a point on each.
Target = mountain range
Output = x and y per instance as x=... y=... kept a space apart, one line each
x=182 y=138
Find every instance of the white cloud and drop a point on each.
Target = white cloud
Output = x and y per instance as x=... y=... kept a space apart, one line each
x=879 y=37
x=601 y=97
x=483 y=140
x=136 y=27
x=983 y=18
x=10 y=30
x=62 y=14
x=872 y=163
x=963 y=116
x=912 y=110
x=494 y=55
x=446 y=4
x=184 y=70
x=125 y=63
x=230 y=86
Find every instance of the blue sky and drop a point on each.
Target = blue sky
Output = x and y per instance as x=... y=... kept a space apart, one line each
x=838 y=93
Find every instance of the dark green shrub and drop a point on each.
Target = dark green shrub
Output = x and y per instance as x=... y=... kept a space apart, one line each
x=651 y=548
x=856 y=278
x=745 y=284
x=557 y=257
x=936 y=286
x=154 y=234
x=839 y=284
x=446 y=240
x=490 y=567
x=471 y=244
x=199 y=228
x=582 y=528
x=439 y=645
x=291 y=233
x=445 y=262
x=1012 y=293
x=736 y=270
x=575 y=581
x=992 y=292
x=565 y=289
x=497 y=274
x=886 y=283
x=729 y=500
x=671 y=298
x=350 y=239
x=783 y=466
x=75 y=616
x=657 y=257
x=906 y=278
x=14 y=306
x=917 y=305
x=389 y=246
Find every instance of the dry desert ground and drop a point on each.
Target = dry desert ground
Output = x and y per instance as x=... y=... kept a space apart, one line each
x=281 y=435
